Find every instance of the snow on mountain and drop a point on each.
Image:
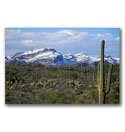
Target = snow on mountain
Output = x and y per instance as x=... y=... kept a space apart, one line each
x=82 y=57
x=86 y=60
x=117 y=60
x=47 y=56
x=109 y=59
x=50 y=56
x=69 y=59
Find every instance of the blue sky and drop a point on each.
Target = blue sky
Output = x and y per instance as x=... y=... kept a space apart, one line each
x=64 y=40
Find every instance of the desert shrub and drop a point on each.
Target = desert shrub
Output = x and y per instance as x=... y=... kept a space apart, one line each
x=73 y=75
x=32 y=83
x=54 y=97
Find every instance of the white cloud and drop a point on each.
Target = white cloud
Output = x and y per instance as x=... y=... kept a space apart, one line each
x=100 y=35
x=63 y=41
x=27 y=41
x=68 y=32
x=17 y=37
x=118 y=38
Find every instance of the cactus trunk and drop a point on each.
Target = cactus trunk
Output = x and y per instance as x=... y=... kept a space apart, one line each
x=102 y=73
x=100 y=77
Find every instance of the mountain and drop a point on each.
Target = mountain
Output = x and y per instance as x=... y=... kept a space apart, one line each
x=49 y=56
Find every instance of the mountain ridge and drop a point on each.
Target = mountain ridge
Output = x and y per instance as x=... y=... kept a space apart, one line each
x=49 y=56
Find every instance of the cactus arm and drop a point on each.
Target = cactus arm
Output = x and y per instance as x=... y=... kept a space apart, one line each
x=109 y=79
x=98 y=74
x=98 y=82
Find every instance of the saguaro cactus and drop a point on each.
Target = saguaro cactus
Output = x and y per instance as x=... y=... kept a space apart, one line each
x=102 y=91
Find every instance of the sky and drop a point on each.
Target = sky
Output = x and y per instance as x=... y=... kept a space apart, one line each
x=64 y=40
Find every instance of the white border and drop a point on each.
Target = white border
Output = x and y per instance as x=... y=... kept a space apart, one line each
x=61 y=13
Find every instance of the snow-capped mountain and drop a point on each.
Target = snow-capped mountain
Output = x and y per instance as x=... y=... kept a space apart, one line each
x=69 y=59
x=86 y=60
x=50 y=56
